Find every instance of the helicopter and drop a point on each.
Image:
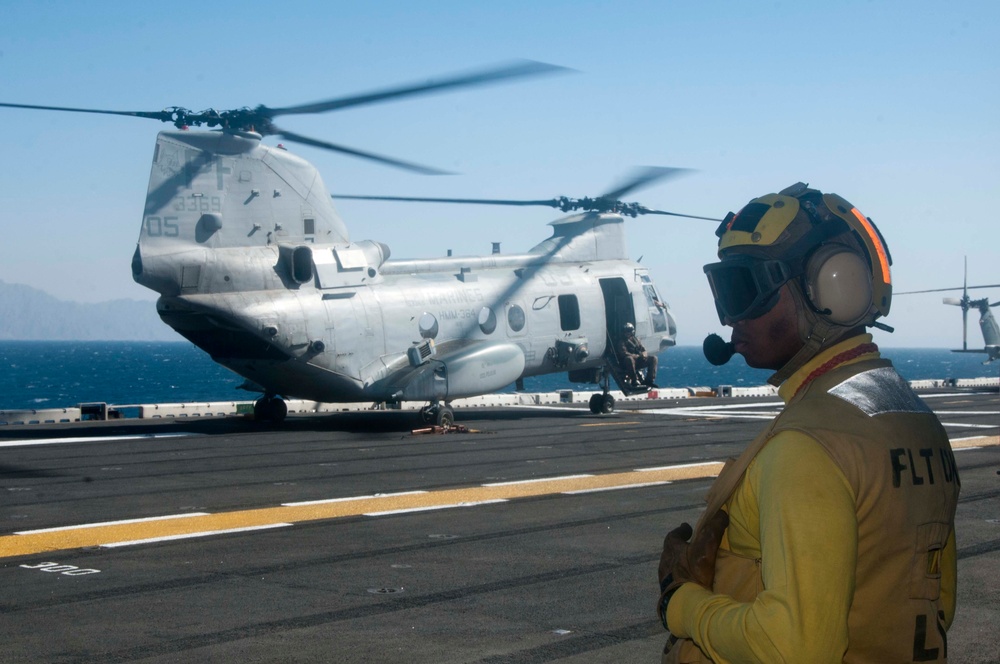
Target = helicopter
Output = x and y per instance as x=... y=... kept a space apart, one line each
x=253 y=265
x=987 y=323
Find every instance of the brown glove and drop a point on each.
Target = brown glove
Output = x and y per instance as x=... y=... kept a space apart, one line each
x=681 y=562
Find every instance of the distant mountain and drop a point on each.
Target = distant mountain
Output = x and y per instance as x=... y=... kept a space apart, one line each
x=28 y=313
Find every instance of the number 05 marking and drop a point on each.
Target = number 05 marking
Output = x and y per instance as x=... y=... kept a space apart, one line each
x=162 y=227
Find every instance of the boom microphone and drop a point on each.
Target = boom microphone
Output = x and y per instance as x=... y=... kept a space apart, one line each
x=717 y=351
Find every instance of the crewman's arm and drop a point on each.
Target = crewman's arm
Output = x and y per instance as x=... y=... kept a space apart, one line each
x=808 y=549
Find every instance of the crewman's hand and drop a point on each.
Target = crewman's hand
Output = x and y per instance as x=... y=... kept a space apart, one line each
x=695 y=561
x=681 y=562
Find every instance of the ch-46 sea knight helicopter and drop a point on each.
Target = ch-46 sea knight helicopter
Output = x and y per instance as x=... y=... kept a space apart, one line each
x=254 y=266
x=987 y=323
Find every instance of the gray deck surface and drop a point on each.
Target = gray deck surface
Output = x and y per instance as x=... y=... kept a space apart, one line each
x=554 y=576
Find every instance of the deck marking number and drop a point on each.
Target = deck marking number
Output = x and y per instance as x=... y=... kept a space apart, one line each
x=65 y=570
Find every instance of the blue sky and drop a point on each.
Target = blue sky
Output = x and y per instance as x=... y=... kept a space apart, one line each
x=893 y=105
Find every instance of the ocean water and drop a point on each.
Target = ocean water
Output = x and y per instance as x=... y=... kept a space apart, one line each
x=55 y=374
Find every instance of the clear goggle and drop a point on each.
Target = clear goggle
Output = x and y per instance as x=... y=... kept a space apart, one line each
x=745 y=287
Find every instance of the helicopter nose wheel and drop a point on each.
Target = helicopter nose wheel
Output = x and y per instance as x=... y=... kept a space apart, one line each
x=437 y=414
x=270 y=409
x=602 y=403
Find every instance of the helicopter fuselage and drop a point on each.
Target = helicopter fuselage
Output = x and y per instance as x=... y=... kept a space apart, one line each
x=253 y=265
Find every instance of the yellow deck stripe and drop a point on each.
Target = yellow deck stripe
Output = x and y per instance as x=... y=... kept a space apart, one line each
x=89 y=536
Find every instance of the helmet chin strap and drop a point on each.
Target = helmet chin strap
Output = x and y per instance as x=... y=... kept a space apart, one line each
x=816 y=334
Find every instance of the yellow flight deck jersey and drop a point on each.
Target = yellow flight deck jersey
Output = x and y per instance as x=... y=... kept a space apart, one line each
x=841 y=544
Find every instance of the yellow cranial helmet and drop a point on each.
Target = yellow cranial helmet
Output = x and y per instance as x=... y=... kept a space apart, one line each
x=836 y=253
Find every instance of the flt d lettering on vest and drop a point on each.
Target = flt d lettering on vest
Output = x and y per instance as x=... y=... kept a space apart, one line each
x=925 y=465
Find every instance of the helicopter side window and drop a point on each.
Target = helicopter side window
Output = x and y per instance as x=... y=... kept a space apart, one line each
x=428 y=325
x=487 y=320
x=515 y=318
x=569 y=312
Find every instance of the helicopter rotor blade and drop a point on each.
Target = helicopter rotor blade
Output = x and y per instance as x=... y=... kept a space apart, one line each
x=965 y=279
x=606 y=203
x=398 y=163
x=166 y=115
x=942 y=290
x=644 y=177
x=965 y=327
x=645 y=210
x=259 y=119
x=518 y=69
x=566 y=204
x=554 y=202
x=952 y=301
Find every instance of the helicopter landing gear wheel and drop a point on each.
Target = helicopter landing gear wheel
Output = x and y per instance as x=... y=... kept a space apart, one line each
x=603 y=402
x=270 y=409
x=427 y=415
x=437 y=414
x=445 y=417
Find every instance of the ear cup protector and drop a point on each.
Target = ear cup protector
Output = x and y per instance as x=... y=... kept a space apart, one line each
x=874 y=246
x=838 y=285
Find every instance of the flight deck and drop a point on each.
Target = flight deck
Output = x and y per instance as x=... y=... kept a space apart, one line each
x=529 y=534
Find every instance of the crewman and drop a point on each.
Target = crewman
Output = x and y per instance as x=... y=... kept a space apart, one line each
x=831 y=538
x=635 y=357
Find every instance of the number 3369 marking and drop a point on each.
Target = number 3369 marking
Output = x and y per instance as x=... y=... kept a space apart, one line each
x=65 y=570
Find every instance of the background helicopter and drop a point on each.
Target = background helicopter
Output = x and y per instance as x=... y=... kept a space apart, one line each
x=254 y=266
x=987 y=323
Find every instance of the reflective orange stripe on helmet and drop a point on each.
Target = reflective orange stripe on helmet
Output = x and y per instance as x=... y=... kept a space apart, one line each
x=878 y=254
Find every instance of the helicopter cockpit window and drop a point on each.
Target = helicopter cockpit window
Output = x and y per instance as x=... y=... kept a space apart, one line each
x=487 y=320
x=428 y=326
x=515 y=318
x=569 y=312
x=651 y=298
x=657 y=310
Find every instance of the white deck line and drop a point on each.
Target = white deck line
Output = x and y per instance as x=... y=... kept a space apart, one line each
x=205 y=533
x=90 y=439
x=431 y=508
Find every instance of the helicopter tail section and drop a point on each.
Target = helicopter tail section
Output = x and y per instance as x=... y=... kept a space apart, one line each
x=586 y=237
x=988 y=324
x=210 y=192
